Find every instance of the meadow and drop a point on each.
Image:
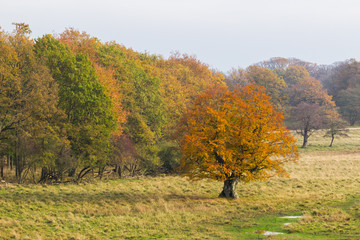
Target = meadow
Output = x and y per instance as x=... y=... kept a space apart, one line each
x=323 y=188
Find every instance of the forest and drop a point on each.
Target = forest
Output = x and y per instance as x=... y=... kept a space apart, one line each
x=73 y=107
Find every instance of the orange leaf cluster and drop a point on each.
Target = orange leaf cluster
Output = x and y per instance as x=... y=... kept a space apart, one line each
x=235 y=135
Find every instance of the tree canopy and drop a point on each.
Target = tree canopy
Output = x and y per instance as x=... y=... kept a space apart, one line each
x=234 y=135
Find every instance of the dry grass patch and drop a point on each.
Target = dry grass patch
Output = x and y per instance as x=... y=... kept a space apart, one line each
x=326 y=165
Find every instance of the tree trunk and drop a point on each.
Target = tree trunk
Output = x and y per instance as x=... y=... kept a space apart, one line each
x=305 y=142
x=229 y=189
x=332 y=140
x=20 y=168
x=101 y=172
x=44 y=175
x=11 y=162
x=118 y=170
x=2 y=168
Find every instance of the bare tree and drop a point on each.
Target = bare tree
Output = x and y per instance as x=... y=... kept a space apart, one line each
x=336 y=127
x=307 y=118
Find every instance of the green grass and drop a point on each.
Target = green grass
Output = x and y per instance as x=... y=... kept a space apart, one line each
x=324 y=187
x=317 y=142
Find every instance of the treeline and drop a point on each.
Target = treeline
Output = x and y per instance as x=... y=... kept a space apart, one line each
x=311 y=96
x=72 y=106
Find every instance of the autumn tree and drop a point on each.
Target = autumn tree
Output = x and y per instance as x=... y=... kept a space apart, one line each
x=310 y=90
x=89 y=117
x=234 y=136
x=82 y=43
x=236 y=77
x=278 y=63
x=10 y=87
x=10 y=97
x=28 y=103
x=310 y=107
x=274 y=85
x=141 y=99
x=275 y=63
x=344 y=76
x=182 y=77
x=293 y=75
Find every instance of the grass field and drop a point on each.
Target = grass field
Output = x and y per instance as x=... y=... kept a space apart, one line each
x=324 y=188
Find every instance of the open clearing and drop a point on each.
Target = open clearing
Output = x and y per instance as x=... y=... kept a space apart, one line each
x=324 y=188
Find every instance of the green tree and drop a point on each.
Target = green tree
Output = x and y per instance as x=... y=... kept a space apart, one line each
x=141 y=99
x=29 y=101
x=349 y=103
x=293 y=75
x=274 y=85
x=90 y=119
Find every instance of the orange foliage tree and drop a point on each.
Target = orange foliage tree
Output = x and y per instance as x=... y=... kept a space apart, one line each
x=234 y=136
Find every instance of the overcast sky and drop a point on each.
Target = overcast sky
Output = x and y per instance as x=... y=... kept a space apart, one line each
x=221 y=33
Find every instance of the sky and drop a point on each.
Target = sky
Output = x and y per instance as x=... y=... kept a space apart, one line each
x=222 y=33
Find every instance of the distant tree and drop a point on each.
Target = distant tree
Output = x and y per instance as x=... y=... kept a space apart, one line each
x=336 y=127
x=275 y=87
x=275 y=63
x=311 y=91
x=349 y=103
x=293 y=75
x=309 y=107
x=344 y=76
x=279 y=63
x=234 y=136
x=236 y=77
x=306 y=118
x=323 y=73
